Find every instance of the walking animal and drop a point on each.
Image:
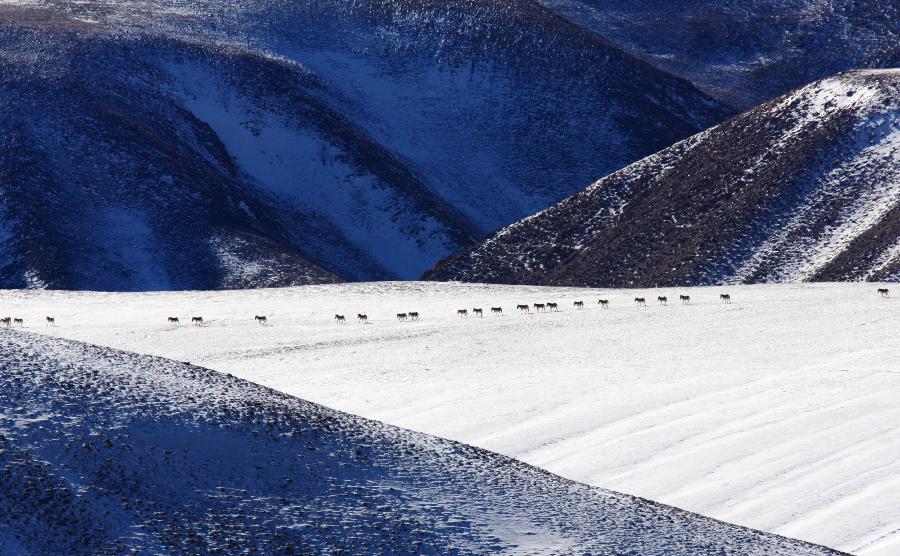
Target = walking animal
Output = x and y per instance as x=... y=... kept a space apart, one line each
x=260 y=319
x=552 y=307
x=19 y=322
x=50 y=321
x=663 y=300
x=579 y=305
x=497 y=311
x=414 y=315
x=540 y=307
x=685 y=299
x=604 y=303
x=197 y=321
x=462 y=313
x=477 y=311
x=523 y=308
x=362 y=318
x=726 y=298
x=173 y=320
x=883 y=292
x=401 y=317
x=340 y=319
x=5 y=321
x=640 y=301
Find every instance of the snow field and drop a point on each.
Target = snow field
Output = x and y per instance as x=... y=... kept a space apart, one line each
x=777 y=411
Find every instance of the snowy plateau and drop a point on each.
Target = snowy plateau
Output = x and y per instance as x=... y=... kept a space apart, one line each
x=777 y=412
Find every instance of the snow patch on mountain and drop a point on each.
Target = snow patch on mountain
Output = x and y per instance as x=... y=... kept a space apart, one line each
x=777 y=411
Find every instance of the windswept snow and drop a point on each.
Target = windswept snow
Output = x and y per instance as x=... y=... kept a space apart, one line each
x=777 y=411
x=104 y=452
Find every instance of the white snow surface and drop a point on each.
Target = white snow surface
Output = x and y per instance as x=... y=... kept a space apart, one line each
x=778 y=411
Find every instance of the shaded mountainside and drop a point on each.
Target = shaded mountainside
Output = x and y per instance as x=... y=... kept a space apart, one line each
x=803 y=188
x=105 y=452
x=171 y=145
x=747 y=52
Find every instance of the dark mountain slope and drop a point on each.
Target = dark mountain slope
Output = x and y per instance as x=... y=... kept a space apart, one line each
x=805 y=187
x=169 y=145
x=105 y=452
x=746 y=52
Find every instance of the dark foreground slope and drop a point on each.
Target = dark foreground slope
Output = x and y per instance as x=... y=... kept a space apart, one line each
x=803 y=188
x=109 y=452
x=747 y=51
x=199 y=145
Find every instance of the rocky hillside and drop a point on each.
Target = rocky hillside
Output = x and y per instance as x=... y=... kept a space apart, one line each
x=105 y=452
x=803 y=188
x=175 y=145
x=747 y=51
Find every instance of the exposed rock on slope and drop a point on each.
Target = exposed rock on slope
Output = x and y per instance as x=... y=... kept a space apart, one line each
x=803 y=188
x=109 y=452
x=171 y=145
x=747 y=51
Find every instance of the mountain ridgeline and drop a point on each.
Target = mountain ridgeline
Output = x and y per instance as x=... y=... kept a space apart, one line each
x=168 y=145
x=745 y=52
x=805 y=187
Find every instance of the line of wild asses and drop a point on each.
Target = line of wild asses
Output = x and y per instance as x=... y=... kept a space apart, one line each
x=5 y=321
x=726 y=298
x=883 y=292
x=401 y=317
x=19 y=322
x=497 y=311
x=523 y=308
x=260 y=319
x=50 y=321
x=462 y=313
x=478 y=311
x=579 y=305
x=552 y=307
x=604 y=303
x=663 y=300
x=640 y=301
x=173 y=320
x=197 y=321
x=362 y=318
x=340 y=319
x=540 y=307
x=414 y=316
x=685 y=299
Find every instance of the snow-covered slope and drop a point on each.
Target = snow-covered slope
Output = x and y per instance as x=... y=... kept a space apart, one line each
x=747 y=51
x=173 y=145
x=104 y=452
x=777 y=411
x=803 y=188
